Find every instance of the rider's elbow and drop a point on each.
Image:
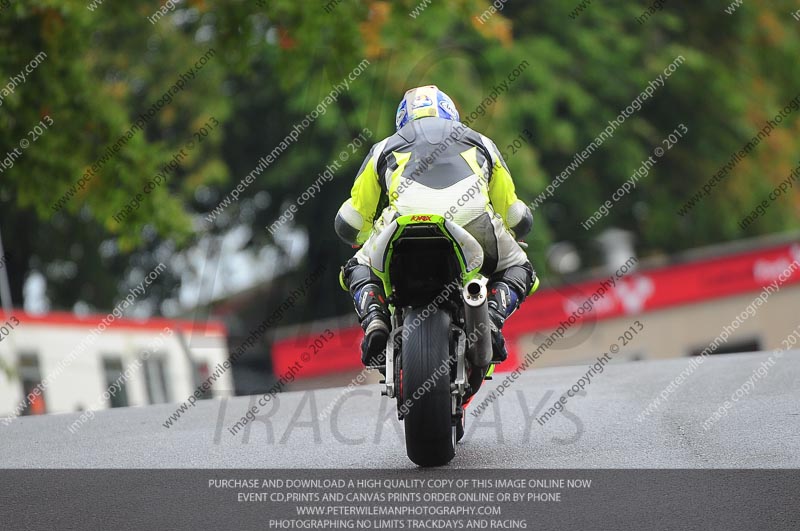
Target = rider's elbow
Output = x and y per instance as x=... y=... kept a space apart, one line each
x=519 y=219
x=346 y=232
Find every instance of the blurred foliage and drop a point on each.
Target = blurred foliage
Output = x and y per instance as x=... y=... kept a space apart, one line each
x=276 y=60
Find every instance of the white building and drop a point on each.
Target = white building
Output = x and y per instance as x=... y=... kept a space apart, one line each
x=59 y=362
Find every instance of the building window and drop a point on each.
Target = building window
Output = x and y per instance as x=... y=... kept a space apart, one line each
x=112 y=369
x=31 y=377
x=155 y=376
x=732 y=347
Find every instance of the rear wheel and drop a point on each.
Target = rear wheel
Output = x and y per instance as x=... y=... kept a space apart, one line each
x=426 y=388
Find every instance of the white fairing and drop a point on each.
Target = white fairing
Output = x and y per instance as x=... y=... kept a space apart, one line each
x=473 y=252
x=375 y=247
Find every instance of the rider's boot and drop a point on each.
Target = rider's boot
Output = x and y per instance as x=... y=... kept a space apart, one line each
x=371 y=308
x=503 y=300
x=373 y=314
x=507 y=289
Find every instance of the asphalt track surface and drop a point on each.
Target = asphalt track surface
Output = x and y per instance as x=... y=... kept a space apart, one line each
x=600 y=430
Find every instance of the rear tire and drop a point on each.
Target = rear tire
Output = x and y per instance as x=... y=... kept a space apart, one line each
x=426 y=374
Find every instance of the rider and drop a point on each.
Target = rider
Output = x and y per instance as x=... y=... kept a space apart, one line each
x=434 y=164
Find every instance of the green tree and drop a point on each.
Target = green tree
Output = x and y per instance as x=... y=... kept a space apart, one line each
x=274 y=62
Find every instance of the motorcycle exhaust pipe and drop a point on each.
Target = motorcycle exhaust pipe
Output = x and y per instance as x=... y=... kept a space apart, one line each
x=476 y=312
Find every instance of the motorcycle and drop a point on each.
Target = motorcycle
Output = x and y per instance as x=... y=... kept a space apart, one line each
x=439 y=350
